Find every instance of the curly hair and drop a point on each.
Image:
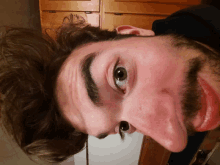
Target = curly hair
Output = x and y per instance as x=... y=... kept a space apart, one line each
x=29 y=66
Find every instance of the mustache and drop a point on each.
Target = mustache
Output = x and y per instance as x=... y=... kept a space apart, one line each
x=191 y=91
x=191 y=97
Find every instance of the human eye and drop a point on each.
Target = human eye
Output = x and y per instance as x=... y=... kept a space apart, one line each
x=120 y=77
x=124 y=127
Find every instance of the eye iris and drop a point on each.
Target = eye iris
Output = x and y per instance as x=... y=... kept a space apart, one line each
x=120 y=74
x=124 y=126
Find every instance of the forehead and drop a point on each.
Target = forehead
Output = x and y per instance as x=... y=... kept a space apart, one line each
x=69 y=83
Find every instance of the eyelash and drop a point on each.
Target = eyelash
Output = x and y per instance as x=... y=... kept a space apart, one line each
x=114 y=79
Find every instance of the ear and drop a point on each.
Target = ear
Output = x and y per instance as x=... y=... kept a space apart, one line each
x=127 y=29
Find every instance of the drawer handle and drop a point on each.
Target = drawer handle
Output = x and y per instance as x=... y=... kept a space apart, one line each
x=118 y=14
x=88 y=12
x=52 y=11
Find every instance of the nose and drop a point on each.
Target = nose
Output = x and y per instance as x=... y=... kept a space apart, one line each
x=155 y=115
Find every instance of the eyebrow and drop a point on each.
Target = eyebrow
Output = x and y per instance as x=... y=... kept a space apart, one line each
x=91 y=87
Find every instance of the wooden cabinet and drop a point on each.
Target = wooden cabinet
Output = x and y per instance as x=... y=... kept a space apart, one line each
x=50 y=21
x=111 y=21
x=54 y=12
x=69 y=5
x=185 y=2
x=139 y=13
x=108 y=14
x=113 y=6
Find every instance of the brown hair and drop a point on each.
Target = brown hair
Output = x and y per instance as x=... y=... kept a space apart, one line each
x=29 y=66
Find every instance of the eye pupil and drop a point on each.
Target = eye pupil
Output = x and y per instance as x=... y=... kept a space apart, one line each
x=120 y=74
x=124 y=126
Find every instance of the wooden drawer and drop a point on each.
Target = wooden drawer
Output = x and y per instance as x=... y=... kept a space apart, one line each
x=183 y=2
x=111 y=21
x=111 y=6
x=51 y=21
x=69 y=5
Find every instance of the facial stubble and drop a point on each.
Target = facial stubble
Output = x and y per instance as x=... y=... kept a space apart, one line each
x=191 y=95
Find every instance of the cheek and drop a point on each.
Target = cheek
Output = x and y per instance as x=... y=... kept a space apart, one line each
x=157 y=72
x=100 y=120
x=109 y=96
x=94 y=122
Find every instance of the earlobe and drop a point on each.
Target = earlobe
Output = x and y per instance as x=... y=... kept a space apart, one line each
x=127 y=29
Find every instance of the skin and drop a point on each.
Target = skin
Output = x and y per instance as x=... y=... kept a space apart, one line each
x=155 y=92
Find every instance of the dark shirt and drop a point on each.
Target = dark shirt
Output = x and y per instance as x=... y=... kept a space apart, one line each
x=200 y=23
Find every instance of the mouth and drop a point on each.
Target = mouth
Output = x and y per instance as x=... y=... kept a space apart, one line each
x=208 y=117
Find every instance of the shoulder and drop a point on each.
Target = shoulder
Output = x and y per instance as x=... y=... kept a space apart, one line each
x=215 y=3
x=200 y=23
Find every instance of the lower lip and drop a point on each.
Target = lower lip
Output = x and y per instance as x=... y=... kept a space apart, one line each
x=210 y=115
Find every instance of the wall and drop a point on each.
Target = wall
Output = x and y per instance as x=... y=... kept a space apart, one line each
x=11 y=154
x=20 y=13
x=16 y=13
x=110 y=151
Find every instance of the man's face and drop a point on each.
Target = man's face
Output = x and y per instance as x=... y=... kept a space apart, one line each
x=162 y=90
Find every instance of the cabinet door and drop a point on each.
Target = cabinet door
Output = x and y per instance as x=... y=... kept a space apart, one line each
x=69 y=5
x=111 y=21
x=111 y=6
x=51 y=21
x=185 y=2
